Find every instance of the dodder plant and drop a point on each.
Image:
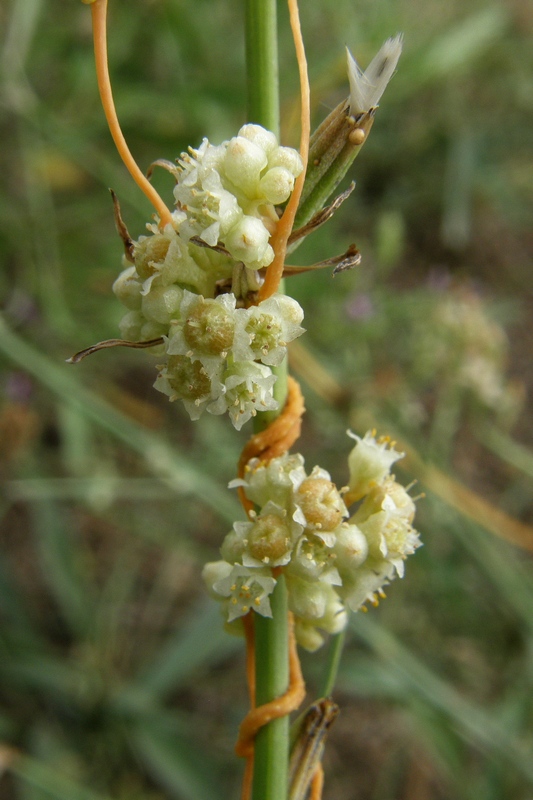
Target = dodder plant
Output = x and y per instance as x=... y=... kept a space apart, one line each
x=204 y=294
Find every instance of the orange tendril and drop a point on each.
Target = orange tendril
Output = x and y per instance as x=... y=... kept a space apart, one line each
x=280 y=707
x=284 y=227
x=99 y=14
x=276 y=439
x=248 y=623
x=317 y=783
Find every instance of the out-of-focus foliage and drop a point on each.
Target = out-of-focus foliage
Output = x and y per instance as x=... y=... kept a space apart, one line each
x=116 y=679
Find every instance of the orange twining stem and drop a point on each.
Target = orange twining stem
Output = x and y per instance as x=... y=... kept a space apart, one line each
x=280 y=707
x=99 y=14
x=248 y=623
x=284 y=227
x=247 y=780
x=317 y=783
x=277 y=438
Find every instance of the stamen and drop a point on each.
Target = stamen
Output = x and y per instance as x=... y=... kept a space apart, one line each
x=99 y=14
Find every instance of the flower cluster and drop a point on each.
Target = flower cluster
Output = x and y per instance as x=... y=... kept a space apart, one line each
x=216 y=355
x=331 y=561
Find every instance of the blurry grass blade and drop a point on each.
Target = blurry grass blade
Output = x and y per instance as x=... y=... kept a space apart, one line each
x=62 y=559
x=477 y=508
x=49 y=780
x=468 y=502
x=90 y=490
x=185 y=770
x=463 y=44
x=505 y=568
x=479 y=726
x=19 y=31
x=331 y=668
x=458 y=189
x=36 y=670
x=202 y=642
x=177 y=471
x=508 y=450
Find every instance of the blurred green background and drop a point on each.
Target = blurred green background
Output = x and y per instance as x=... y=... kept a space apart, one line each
x=116 y=679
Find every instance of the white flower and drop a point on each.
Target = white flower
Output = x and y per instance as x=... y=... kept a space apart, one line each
x=275 y=481
x=369 y=463
x=210 y=209
x=313 y=559
x=158 y=258
x=365 y=585
x=186 y=380
x=367 y=87
x=248 y=389
x=269 y=538
x=385 y=518
x=247 y=589
x=205 y=330
x=263 y=331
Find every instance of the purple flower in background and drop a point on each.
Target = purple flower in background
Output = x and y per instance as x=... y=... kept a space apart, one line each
x=360 y=307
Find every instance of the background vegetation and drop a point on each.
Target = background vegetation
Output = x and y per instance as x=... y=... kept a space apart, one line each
x=116 y=680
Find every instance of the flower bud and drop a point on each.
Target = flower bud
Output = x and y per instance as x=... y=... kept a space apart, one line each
x=130 y=326
x=235 y=542
x=321 y=503
x=260 y=136
x=307 y=599
x=276 y=185
x=247 y=241
x=351 y=547
x=243 y=164
x=162 y=303
x=213 y=572
x=127 y=289
x=288 y=158
x=307 y=635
